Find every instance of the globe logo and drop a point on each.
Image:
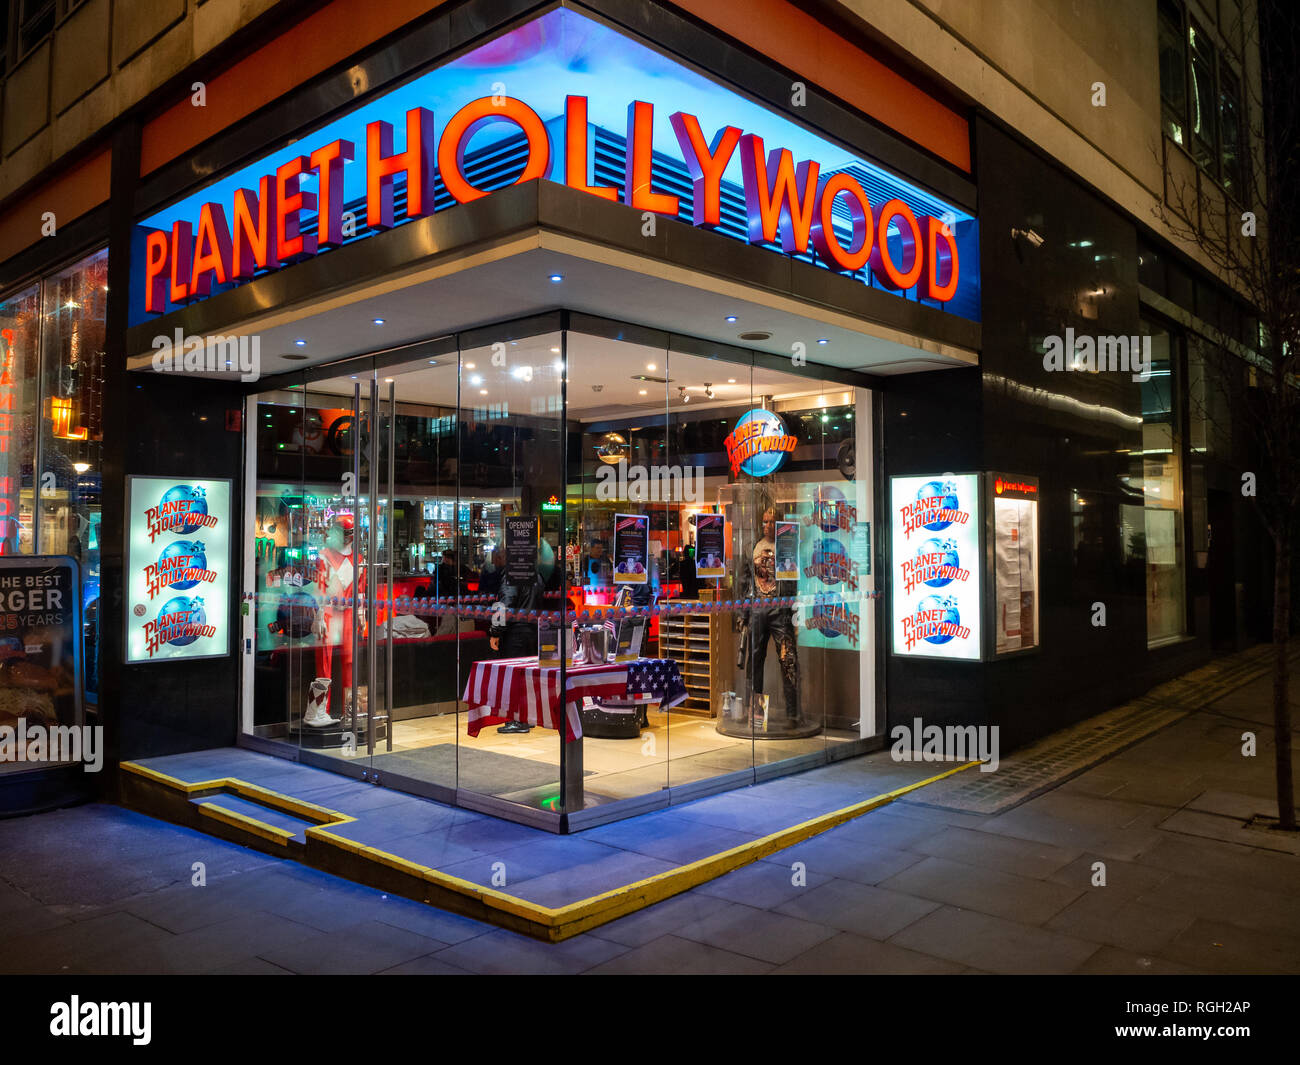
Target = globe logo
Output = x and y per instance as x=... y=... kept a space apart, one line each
x=946 y=494
x=948 y=612
x=189 y=555
x=197 y=502
x=829 y=562
x=947 y=552
x=181 y=611
x=759 y=444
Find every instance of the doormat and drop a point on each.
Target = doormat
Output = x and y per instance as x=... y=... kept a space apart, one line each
x=482 y=771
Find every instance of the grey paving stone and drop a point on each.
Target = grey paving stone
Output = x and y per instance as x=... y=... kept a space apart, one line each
x=887 y=828
x=1124 y=879
x=184 y=908
x=591 y=878
x=637 y=929
x=986 y=890
x=1113 y=961
x=673 y=955
x=992 y=943
x=761 y=934
x=251 y=967
x=849 y=859
x=869 y=911
x=1105 y=917
x=429 y=965
x=1218 y=947
x=78 y=946
x=669 y=837
x=208 y=949
x=1237 y=904
x=29 y=919
x=1231 y=830
x=848 y=954
x=530 y=860
x=503 y=953
x=365 y=947
x=1031 y=858
x=743 y=812
x=761 y=884
x=425 y=919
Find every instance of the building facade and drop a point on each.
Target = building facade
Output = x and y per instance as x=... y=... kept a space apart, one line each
x=810 y=369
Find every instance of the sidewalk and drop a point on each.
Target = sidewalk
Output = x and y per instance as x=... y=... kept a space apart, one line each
x=912 y=887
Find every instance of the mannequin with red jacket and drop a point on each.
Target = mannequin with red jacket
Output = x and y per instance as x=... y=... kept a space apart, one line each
x=338 y=569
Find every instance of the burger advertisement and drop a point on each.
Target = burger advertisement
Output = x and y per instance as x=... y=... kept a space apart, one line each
x=178 y=568
x=40 y=660
x=935 y=561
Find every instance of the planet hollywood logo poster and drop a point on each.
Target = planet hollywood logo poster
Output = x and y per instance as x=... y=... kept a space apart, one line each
x=631 y=548
x=935 y=562
x=178 y=539
x=710 y=545
x=830 y=569
x=787 y=550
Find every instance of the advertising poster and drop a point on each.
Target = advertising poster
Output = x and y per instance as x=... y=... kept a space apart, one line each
x=178 y=537
x=787 y=550
x=827 y=570
x=631 y=548
x=40 y=641
x=521 y=550
x=710 y=545
x=935 y=563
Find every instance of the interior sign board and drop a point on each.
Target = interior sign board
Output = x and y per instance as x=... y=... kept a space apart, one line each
x=178 y=557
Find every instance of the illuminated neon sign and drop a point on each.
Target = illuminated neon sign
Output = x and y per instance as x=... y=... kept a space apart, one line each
x=759 y=176
x=759 y=445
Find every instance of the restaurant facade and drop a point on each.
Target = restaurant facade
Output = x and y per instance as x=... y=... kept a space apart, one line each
x=567 y=410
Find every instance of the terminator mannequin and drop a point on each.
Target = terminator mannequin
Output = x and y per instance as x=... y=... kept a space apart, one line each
x=776 y=622
x=337 y=570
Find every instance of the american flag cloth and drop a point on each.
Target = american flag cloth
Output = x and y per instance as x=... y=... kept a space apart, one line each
x=518 y=689
x=657 y=677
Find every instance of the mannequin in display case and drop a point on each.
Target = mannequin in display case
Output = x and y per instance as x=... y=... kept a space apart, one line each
x=337 y=570
x=776 y=622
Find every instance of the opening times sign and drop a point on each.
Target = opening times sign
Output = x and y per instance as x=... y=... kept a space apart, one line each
x=935 y=565
x=178 y=539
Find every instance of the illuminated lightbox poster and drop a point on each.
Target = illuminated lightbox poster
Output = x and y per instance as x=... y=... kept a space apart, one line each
x=935 y=566
x=787 y=550
x=178 y=537
x=631 y=548
x=710 y=545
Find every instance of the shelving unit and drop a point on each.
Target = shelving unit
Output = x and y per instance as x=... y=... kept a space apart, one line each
x=693 y=642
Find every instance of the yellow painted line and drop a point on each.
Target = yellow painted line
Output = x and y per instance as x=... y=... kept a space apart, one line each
x=246 y=823
x=558 y=923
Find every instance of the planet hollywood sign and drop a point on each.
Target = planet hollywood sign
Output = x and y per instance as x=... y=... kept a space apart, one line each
x=791 y=204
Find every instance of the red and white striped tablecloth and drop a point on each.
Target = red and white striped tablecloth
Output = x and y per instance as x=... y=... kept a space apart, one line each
x=518 y=689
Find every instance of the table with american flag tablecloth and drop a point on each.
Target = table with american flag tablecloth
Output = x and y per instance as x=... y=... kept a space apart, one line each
x=519 y=689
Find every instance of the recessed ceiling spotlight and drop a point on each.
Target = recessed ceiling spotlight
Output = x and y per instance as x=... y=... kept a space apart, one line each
x=823 y=340
x=641 y=392
x=651 y=367
x=731 y=380
x=469 y=366
x=377 y=321
x=555 y=351
x=732 y=318
x=300 y=342
x=476 y=380
x=433 y=362
x=556 y=278
x=482 y=391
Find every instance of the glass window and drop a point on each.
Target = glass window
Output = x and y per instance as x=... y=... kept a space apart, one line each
x=20 y=331
x=1205 y=104
x=1159 y=540
x=1173 y=71
x=1230 y=124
